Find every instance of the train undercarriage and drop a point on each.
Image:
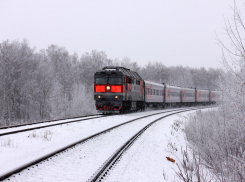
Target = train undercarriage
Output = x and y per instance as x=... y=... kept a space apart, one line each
x=108 y=107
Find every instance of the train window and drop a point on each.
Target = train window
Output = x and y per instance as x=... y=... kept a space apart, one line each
x=115 y=80
x=174 y=94
x=188 y=95
x=129 y=80
x=101 y=80
x=150 y=91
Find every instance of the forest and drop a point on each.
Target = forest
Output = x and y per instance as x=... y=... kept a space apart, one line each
x=216 y=137
x=54 y=84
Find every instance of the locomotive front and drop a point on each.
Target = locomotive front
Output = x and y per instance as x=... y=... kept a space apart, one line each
x=108 y=90
x=117 y=90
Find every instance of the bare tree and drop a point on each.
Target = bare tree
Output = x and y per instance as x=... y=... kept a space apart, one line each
x=219 y=135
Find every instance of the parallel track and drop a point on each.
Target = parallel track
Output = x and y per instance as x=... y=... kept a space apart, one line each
x=76 y=119
x=49 y=125
x=115 y=158
x=26 y=124
x=33 y=162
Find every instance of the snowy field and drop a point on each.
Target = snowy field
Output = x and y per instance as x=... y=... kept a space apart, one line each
x=30 y=126
x=144 y=161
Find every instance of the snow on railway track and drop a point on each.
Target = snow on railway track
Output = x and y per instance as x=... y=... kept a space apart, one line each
x=33 y=126
x=111 y=162
x=48 y=121
x=92 y=152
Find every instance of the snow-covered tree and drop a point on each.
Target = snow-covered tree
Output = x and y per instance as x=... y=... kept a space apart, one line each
x=218 y=135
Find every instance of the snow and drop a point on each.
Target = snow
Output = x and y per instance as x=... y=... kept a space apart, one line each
x=42 y=124
x=144 y=161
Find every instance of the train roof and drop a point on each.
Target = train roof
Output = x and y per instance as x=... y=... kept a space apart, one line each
x=125 y=71
x=192 y=89
x=154 y=83
x=216 y=91
x=169 y=86
x=203 y=90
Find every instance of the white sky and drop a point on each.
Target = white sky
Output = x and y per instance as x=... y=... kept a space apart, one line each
x=173 y=32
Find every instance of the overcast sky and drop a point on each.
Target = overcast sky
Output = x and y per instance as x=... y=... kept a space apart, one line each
x=174 y=32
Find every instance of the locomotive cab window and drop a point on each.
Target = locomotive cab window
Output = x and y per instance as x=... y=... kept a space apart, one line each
x=101 y=80
x=115 y=80
x=109 y=80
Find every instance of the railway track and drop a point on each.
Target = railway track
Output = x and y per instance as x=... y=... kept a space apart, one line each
x=47 y=124
x=104 y=170
x=37 y=160
x=48 y=121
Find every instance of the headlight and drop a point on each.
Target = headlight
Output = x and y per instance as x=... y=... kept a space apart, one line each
x=116 y=97
x=99 y=96
x=108 y=88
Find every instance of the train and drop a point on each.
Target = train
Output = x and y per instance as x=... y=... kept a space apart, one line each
x=120 y=90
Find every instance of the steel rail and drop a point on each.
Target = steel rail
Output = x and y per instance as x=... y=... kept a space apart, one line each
x=55 y=124
x=26 y=124
x=39 y=127
x=62 y=149
x=101 y=173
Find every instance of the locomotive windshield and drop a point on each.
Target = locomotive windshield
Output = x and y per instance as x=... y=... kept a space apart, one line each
x=115 y=80
x=109 y=80
x=101 y=80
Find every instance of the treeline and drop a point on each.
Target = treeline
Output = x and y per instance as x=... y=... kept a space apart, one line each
x=182 y=76
x=218 y=136
x=53 y=83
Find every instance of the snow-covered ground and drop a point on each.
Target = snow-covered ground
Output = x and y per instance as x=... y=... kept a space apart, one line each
x=2 y=131
x=80 y=163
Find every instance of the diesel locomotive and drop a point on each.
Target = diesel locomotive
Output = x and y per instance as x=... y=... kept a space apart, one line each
x=120 y=90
